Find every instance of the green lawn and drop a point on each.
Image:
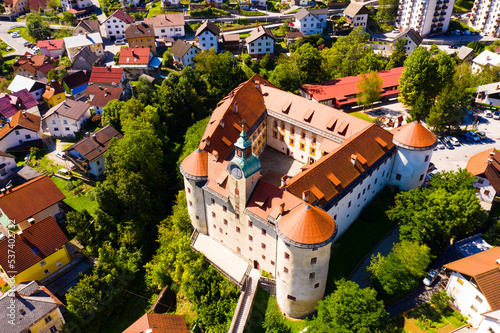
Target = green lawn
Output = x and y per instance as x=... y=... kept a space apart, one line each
x=463 y=6
x=78 y=202
x=363 y=235
x=426 y=318
x=24 y=34
x=363 y=116
x=264 y=304
x=155 y=9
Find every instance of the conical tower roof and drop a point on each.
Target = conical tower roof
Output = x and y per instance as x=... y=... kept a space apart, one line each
x=413 y=136
x=195 y=165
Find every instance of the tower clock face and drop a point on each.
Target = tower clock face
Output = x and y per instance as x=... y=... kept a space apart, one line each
x=236 y=172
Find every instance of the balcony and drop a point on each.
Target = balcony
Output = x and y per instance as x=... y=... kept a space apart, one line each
x=434 y=25
x=440 y=24
x=436 y=14
x=445 y=7
x=443 y=13
x=438 y=7
x=434 y=20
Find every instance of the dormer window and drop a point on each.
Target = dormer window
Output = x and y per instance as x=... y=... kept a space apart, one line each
x=235 y=107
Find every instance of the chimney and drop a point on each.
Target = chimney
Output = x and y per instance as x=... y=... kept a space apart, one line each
x=24 y=114
x=283 y=181
x=94 y=137
x=2 y=191
x=354 y=159
x=21 y=235
x=282 y=208
x=222 y=123
x=305 y=196
x=235 y=107
x=87 y=134
x=208 y=141
x=492 y=153
x=9 y=188
x=490 y=160
x=257 y=85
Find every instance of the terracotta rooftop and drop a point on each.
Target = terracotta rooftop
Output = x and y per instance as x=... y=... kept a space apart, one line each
x=195 y=164
x=52 y=88
x=106 y=75
x=307 y=225
x=340 y=88
x=34 y=244
x=103 y=95
x=158 y=323
x=52 y=44
x=413 y=135
x=485 y=269
x=21 y=119
x=165 y=20
x=121 y=16
x=217 y=175
x=134 y=56
x=487 y=165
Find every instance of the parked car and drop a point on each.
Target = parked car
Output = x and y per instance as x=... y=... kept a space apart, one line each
x=35 y=50
x=396 y=31
x=474 y=136
x=481 y=135
x=496 y=115
x=447 y=143
x=26 y=43
x=454 y=141
x=431 y=167
x=488 y=114
x=467 y=32
x=457 y=32
x=466 y=137
x=15 y=35
x=61 y=155
x=433 y=274
x=120 y=41
x=439 y=144
x=431 y=174
x=8 y=49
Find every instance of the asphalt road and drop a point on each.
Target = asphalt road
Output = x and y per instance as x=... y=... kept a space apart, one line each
x=15 y=43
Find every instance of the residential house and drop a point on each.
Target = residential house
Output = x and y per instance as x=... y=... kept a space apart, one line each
x=76 y=6
x=7 y=163
x=76 y=83
x=85 y=60
x=483 y=59
x=311 y=21
x=291 y=37
x=207 y=36
x=36 y=88
x=141 y=35
x=100 y=96
x=259 y=3
x=412 y=38
x=54 y=93
x=128 y=3
x=485 y=166
x=184 y=52
x=40 y=249
x=37 y=6
x=425 y=16
x=232 y=43
x=15 y=7
x=489 y=94
x=167 y=25
x=297 y=2
x=170 y=3
x=116 y=24
x=465 y=54
x=356 y=15
x=108 y=77
x=53 y=48
x=30 y=203
x=21 y=100
x=66 y=118
x=22 y=130
x=135 y=61
x=87 y=27
x=158 y=323
x=497 y=50
x=32 y=66
x=75 y=44
x=490 y=323
x=260 y=42
x=88 y=153
x=36 y=309
x=341 y=93
x=473 y=284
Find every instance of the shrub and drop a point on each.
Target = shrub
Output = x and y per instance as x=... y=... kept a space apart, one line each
x=96 y=118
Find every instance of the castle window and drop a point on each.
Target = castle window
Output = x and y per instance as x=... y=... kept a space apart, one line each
x=292 y=298
x=264 y=257
x=236 y=192
x=315 y=249
x=426 y=158
x=292 y=141
x=335 y=217
x=225 y=222
x=238 y=250
x=264 y=232
x=275 y=134
x=359 y=194
x=313 y=140
x=292 y=131
x=421 y=177
x=275 y=124
x=480 y=180
x=262 y=245
x=197 y=217
x=224 y=208
x=316 y=286
x=283 y=125
x=287 y=256
x=398 y=176
x=238 y=229
x=250 y=224
x=302 y=146
x=213 y=214
x=250 y=238
x=237 y=215
x=368 y=187
x=282 y=137
x=312 y=276
x=212 y=201
x=314 y=261
x=349 y=205
x=303 y=135
x=215 y=227
x=250 y=248
x=189 y=190
x=383 y=173
x=375 y=182
x=190 y=203
x=285 y=270
x=220 y=230
x=364 y=191
x=313 y=151
x=272 y=262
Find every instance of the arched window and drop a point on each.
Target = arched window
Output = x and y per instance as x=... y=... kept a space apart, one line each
x=236 y=192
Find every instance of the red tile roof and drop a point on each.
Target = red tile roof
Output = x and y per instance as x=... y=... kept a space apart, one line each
x=196 y=164
x=134 y=56
x=346 y=86
x=307 y=225
x=52 y=44
x=122 y=16
x=21 y=119
x=158 y=323
x=165 y=20
x=106 y=75
x=413 y=134
x=30 y=198
x=487 y=165
x=103 y=95
x=34 y=244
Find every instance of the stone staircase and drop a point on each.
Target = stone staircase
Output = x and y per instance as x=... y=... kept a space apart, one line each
x=245 y=303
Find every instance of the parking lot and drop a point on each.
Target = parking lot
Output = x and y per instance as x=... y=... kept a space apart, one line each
x=452 y=159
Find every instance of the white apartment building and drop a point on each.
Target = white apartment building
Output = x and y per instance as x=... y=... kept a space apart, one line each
x=311 y=21
x=424 y=16
x=485 y=17
x=116 y=24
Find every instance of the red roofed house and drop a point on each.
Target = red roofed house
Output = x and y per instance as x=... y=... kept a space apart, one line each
x=486 y=167
x=53 y=47
x=342 y=93
x=39 y=250
x=23 y=129
x=15 y=7
x=116 y=24
x=100 y=96
x=158 y=323
x=33 y=66
x=109 y=77
x=135 y=60
x=21 y=100
x=37 y=6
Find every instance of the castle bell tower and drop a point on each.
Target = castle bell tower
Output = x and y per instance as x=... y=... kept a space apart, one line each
x=244 y=169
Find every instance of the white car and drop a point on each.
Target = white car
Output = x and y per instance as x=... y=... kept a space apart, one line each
x=439 y=144
x=15 y=35
x=433 y=274
x=454 y=141
x=61 y=155
x=35 y=50
x=488 y=114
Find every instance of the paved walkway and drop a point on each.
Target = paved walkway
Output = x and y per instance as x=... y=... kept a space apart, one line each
x=360 y=275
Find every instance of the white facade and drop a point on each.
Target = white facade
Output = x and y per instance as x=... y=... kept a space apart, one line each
x=17 y=137
x=485 y=58
x=484 y=190
x=61 y=126
x=358 y=21
x=311 y=25
x=196 y=204
x=489 y=325
x=115 y=28
x=484 y=17
x=262 y=45
x=126 y=3
x=207 y=40
x=52 y=53
x=168 y=3
x=187 y=59
x=467 y=298
x=6 y=164
x=76 y=4
x=172 y=31
x=486 y=94
x=425 y=16
x=410 y=168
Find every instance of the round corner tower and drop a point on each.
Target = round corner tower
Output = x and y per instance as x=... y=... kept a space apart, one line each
x=415 y=144
x=194 y=169
x=303 y=256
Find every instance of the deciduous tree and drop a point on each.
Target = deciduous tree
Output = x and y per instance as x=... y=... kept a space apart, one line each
x=398 y=55
x=369 y=87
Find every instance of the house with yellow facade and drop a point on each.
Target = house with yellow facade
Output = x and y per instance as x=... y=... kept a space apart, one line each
x=40 y=250
x=75 y=44
x=141 y=35
x=54 y=93
x=30 y=307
